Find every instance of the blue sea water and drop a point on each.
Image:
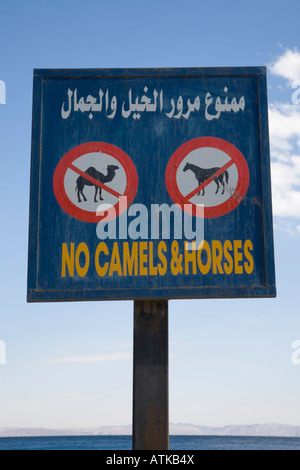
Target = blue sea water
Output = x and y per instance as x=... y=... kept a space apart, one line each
x=125 y=443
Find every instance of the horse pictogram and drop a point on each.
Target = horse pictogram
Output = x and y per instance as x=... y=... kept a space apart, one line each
x=203 y=174
x=208 y=160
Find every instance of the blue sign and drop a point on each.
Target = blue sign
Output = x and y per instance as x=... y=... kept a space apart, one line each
x=150 y=183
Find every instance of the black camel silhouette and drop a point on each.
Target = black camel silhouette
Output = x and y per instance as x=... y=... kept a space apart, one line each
x=202 y=174
x=91 y=171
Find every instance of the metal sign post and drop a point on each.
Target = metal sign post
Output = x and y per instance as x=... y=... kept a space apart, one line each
x=150 y=376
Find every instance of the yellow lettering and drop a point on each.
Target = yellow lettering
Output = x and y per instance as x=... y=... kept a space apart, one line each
x=250 y=265
x=67 y=259
x=152 y=269
x=140 y=258
x=143 y=258
x=228 y=267
x=238 y=256
x=130 y=260
x=115 y=262
x=101 y=270
x=217 y=253
x=162 y=267
x=82 y=248
x=190 y=257
x=204 y=268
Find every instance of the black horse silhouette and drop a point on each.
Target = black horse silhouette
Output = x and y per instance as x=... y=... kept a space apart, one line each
x=91 y=171
x=202 y=174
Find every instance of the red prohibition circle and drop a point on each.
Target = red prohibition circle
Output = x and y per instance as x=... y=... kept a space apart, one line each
x=67 y=161
x=236 y=158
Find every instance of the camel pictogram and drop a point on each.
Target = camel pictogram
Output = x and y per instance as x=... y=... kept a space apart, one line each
x=97 y=175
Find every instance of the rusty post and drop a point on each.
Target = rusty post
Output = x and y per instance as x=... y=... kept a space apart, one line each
x=151 y=376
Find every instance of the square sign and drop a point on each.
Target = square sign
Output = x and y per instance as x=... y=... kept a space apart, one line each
x=150 y=183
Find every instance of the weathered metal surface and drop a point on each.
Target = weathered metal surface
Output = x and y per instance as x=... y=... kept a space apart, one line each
x=150 y=376
x=153 y=124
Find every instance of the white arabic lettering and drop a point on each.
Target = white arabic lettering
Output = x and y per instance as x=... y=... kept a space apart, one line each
x=149 y=103
x=90 y=104
x=221 y=107
x=145 y=104
x=191 y=108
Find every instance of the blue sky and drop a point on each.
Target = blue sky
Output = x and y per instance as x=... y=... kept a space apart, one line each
x=70 y=364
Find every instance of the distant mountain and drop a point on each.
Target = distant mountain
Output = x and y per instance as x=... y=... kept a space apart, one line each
x=272 y=429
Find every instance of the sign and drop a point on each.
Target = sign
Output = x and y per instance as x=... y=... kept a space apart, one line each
x=100 y=166
x=150 y=184
x=217 y=169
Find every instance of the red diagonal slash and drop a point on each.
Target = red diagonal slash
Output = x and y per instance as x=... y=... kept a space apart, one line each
x=94 y=181
x=210 y=179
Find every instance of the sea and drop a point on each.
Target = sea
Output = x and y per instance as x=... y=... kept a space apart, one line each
x=124 y=443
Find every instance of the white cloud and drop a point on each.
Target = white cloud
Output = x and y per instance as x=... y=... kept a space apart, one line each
x=284 y=123
x=287 y=65
x=284 y=120
x=285 y=225
x=96 y=358
x=284 y=126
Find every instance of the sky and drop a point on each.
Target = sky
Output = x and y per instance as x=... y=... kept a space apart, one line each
x=231 y=361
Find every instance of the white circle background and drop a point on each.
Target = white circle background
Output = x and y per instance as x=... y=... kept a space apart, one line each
x=206 y=157
x=99 y=161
